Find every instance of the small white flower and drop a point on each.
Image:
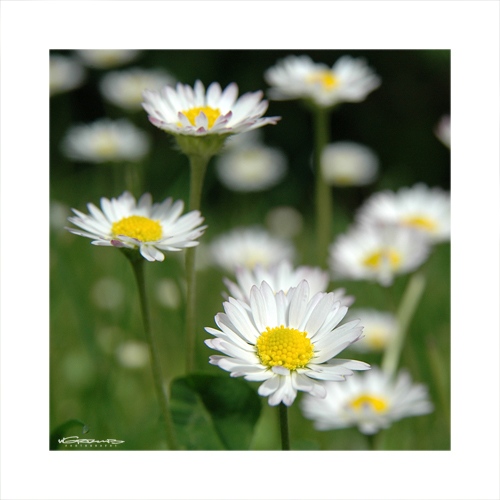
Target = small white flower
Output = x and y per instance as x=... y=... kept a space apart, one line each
x=371 y=401
x=192 y=112
x=420 y=208
x=379 y=254
x=298 y=77
x=286 y=341
x=282 y=276
x=254 y=167
x=168 y=293
x=443 y=130
x=379 y=328
x=247 y=247
x=123 y=223
x=103 y=59
x=106 y=141
x=285 y=222
x=65 y=74
x=125 y=88
x=133 y=354
x=348 y=164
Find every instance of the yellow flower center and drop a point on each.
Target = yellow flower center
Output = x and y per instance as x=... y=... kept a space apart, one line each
x=389 y=255
x=140 y=228
x=106 y=145
x=286 y=347
x=376 y=338
x=326 y=78
x=211 y=114
x=376 y=404
x=420 y=222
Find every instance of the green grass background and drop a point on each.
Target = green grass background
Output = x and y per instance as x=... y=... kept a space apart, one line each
x=397 y=121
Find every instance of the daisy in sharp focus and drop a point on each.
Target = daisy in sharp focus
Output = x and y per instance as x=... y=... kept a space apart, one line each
x=348 y=164
x=124 y=88
x=149 y=228
x=377 y=254
x=379 y=329
x=288 y=342
x=371 y=401
x=282 y=276
x=299 y=77
x=106 y=141
x=247 y=247
x=194 y=112
x=424 y=209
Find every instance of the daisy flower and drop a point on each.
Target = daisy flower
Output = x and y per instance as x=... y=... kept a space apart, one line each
x=123 y=223
x=377 y=254
x=103 y=58
x=379 y=328
x=251 y=168
x=282 y=276
x=371 y=401
x=124 y=88
x=192 y=112
x=65 y=74
x=298 y=77
x=421 y=208
x=288 y=342
x=443 y=130
x=247 y=247
x=348 y=164
x=106 y=141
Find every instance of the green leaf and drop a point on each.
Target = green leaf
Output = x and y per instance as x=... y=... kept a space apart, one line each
x=214 y=413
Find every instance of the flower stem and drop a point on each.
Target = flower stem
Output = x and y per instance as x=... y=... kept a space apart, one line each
x=198 y=167
x=324 y=199
x=285 y=437
x=138 y=267
x=408 y=306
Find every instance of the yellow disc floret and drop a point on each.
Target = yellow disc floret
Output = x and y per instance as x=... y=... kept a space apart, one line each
x=374 y=403
x=286 y=347
x=211 y=114
x=326 y=78
x=420 y=222
x=138 y=227
x=375 y=259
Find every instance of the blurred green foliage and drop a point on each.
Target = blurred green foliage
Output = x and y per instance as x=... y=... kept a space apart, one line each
x=87 y=380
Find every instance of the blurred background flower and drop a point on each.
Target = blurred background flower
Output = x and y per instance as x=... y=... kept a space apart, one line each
x=65 y=74
x=106 y=58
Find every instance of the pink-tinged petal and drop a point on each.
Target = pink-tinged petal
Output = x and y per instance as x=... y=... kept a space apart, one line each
x=183 y=119
x=269 y=386
x=118 y=243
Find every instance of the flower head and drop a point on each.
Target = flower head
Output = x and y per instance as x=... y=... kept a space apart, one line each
x=288 y=342
x=423 y=209
x=298 y=77
x=379 y=328
x=148 y=227
x=253 y=167
x=443 y=130
x=247 y=247
x=371 y=401
x=194 y=112
x=282 y=276
x=348 y=164
x=65 y=74
x=106 y=58
x=124 y=88
x=106 y=141
x=377 y=254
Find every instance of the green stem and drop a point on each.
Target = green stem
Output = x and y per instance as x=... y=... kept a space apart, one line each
x=198 y=167
x=408 y=306
x=285 y=437
x=374 y=441
x=138 y=266
x=323 y=194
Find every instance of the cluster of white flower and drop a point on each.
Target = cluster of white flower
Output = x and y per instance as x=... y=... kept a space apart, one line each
x=280 y=325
